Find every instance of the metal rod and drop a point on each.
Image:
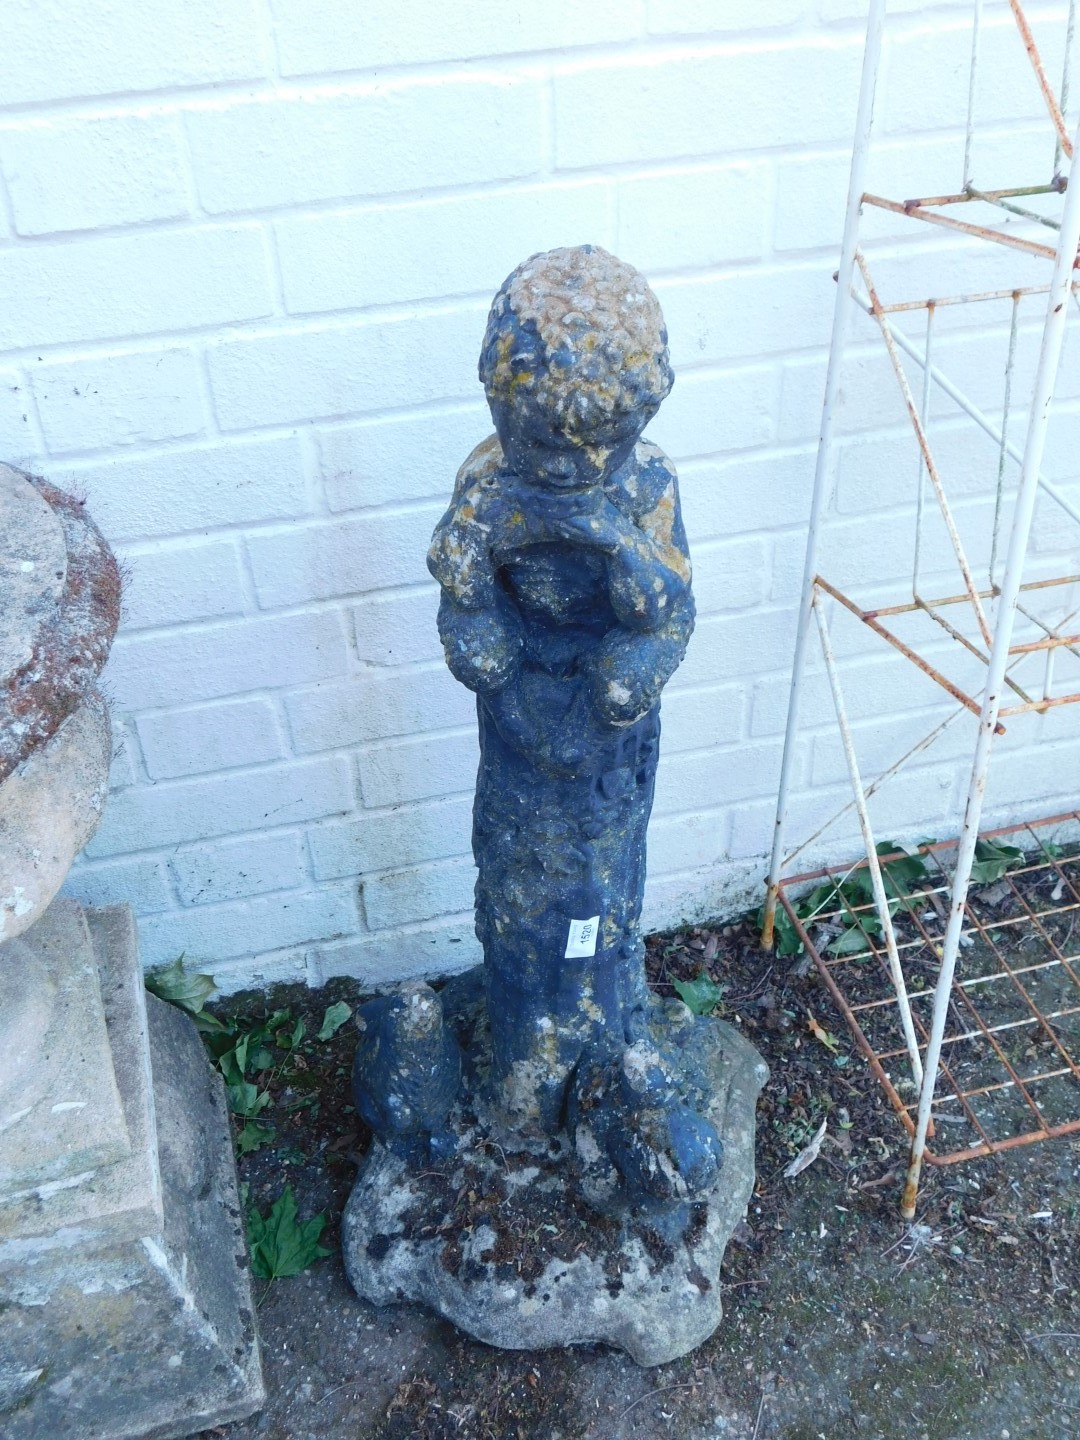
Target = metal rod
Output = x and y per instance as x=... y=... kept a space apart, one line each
x=924 y=446
x=875 y=952
x=1065 y=965
x=1037 y=620
x=1006 y=407
x=920 y=487
x=898 y=306
x=930 y=739
x=964 y=197
x=982 y=232
x=1070 y=29
x=876 y=784
x=823 y=470
x=1040 y=75
x=1048 y=673
x=972 y=984
x=973 y=73
x=845 y=1010
x=909 y=605
x=971 y=647
x=1040 y=707
x=1052 y=641
x=1042 y=398
x=877 y=884
x=1046 y=220
x=867 y=618
x=1036 y=1014
x=982 y=1030
x=1066 y=817
x=970 y=408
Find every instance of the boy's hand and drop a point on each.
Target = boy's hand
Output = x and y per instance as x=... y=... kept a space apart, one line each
x=603 y=527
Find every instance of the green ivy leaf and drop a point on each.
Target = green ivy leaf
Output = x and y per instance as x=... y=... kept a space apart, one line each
x=253 y=1137
x=785 y=936
x=899 y=876
x=245 y=1099
x=992 y=859
x=180 y=987
x=332 y=1021
x=292 y=1040
x=208 y=1024
x=701 y=995
x=851 y=942
x=788 y=939
x=281 y=1244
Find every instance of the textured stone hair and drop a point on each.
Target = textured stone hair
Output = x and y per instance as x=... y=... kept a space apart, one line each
x=579 y=334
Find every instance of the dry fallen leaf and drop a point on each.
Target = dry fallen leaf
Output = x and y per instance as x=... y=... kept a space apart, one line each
x=820 y=1033
x=808 y=1155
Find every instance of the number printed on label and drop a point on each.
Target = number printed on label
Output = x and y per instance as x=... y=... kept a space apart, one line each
x=582 y=938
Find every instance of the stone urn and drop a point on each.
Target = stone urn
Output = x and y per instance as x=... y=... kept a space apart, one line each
x=125 y=1303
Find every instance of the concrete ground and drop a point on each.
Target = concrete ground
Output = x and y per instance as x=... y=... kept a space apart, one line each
x=840 y=1319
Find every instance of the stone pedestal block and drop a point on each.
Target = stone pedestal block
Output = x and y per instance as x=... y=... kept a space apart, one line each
x=125 y=1301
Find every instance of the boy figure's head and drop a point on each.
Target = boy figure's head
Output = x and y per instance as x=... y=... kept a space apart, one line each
x=575 y=365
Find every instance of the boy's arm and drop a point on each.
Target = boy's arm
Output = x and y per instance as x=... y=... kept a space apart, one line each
x=631 y=668
x=650 y=571
x=482 y=644
x=480 y=632
x=648 y=559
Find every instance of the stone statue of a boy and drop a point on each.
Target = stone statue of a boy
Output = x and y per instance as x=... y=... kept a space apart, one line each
x=566 y=607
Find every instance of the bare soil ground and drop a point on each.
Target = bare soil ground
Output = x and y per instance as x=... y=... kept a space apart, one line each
x=840 y=1319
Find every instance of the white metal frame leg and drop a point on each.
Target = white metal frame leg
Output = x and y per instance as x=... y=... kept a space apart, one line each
x=877 y=884
x=1042 y=399
x=842 y=310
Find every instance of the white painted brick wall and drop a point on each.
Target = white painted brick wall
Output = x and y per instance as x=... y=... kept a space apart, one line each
x=246 y=250
x=89 y=172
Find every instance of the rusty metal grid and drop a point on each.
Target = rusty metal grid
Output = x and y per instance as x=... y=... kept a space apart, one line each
x=1010 y=1062
x=1052 y=639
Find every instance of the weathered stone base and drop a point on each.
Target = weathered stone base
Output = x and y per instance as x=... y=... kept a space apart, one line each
x=506 y=1246
x=115 y=1322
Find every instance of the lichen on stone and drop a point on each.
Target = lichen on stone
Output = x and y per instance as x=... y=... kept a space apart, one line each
x=581 y=334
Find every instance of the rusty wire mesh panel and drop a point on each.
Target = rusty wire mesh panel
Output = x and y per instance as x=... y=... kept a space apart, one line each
x=1010 y=1062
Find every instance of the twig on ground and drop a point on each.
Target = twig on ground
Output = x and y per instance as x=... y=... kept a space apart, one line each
x=760 y=1412
x=885 y=1179
x=343 y=1386
x=660 y=1390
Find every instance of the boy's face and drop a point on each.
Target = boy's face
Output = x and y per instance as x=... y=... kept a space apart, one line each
x=545 y=456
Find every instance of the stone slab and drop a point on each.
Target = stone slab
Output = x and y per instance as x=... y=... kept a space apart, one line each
x=155 y=1337
x=507 y=1246
x=120 y=1200
x=61 y=1116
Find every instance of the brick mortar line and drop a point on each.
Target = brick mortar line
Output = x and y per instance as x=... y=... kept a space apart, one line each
x=259 y=86
x=341 y=321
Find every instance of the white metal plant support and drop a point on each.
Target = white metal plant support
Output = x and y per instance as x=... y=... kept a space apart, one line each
x=992 y=608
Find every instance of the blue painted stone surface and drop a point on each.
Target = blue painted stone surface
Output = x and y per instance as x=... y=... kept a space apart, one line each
x=548 y=1087
x=566 y=607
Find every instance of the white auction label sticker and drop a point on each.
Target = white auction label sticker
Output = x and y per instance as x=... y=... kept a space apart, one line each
x=582 y=938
